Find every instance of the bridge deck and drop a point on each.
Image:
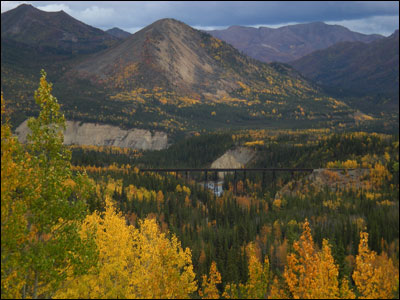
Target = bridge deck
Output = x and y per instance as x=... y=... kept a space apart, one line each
x=235 y=169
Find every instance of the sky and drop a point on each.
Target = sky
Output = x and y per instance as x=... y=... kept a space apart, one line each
x=367 y=17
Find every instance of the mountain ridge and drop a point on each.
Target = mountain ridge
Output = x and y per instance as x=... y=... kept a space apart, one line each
x=356 y=68
x=287 y=43
x=169 y=77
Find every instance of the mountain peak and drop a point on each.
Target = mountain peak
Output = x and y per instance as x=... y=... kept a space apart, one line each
x=118 y=32
x=31 y=26
x=177 y=58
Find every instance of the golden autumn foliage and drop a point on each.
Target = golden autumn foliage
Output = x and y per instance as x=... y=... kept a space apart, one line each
x=209 y=288
x=311 y=273
x=133 y=262
x=15 y=176
x=375 y=275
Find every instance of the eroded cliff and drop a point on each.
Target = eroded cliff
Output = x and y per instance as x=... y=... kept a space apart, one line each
x=79 y=133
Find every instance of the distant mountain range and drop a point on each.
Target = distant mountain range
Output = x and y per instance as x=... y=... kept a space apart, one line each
x=356 y=68
x=167 y=76
x=288 y=43
x=117 y=32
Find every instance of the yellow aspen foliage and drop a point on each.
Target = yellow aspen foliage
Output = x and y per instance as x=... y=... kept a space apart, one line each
x=379 y=175
x=345 y=292
x=162 y=269
x=178 y=189
x=186 y=190
x=114 y=243
x=257 y=284
x=311 y=273
x=133 y=262
x=375 y=276
x=15 y=175
x=328 y=273
x=277 y=292
x=209 y=288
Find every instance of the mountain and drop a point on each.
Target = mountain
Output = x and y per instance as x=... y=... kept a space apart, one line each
x=55 y=30
x=288 y=43
x=166 y=77
x=119 y=33
x=172 y=55
x=356 y=68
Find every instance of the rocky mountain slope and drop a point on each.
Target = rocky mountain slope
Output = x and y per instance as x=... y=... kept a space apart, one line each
x=288 y=43
x=172 y=55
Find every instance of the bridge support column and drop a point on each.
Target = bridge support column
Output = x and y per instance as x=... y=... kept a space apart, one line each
x=234 y=183
x=215 y=182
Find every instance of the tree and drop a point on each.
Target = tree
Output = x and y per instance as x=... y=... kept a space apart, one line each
x=49 y=206
x=375 y=276
x=209 y=286
x=258 y=281
x=311 y=273
x=133 y=262
x=16 y=182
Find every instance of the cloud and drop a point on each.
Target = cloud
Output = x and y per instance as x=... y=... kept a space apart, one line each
x=56 y=7
x=133 y=15
x=101 y=16
x=385 y=25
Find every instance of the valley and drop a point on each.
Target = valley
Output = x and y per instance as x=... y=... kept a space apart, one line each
x=307 y=115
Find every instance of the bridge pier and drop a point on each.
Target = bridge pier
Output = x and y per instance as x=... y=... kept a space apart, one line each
x=234 y=183
x=205 y=180
x=215 y=182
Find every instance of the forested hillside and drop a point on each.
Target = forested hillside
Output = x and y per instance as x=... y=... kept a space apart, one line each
x=100 y=228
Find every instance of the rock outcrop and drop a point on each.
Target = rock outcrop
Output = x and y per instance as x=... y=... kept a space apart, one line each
x=79 y=133
x=236 y=158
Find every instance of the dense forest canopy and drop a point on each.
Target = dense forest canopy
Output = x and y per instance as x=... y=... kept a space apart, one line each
x=84 y=222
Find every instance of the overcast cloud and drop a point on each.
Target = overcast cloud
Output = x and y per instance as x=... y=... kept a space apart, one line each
x=362 y=16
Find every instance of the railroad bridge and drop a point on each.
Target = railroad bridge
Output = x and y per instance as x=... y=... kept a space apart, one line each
x=235 y=172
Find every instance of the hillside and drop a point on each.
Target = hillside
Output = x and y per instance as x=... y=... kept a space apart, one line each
x=176 y=57
x=166 y=77
x=190 y=80
x=356 y=68
x=288 y=43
